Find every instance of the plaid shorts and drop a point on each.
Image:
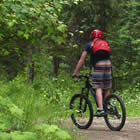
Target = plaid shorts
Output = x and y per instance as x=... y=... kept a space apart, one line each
x=102 y=75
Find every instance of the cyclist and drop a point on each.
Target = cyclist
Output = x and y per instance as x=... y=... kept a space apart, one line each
x=102 y=74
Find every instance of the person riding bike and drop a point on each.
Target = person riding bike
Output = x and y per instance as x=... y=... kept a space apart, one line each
x=101 y=62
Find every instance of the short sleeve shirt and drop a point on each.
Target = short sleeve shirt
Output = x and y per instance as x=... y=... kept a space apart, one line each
x=93 y=57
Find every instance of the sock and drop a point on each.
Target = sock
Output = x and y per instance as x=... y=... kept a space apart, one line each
x=100 y=109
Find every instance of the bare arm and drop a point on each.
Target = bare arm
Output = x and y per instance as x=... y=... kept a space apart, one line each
x=80 y=63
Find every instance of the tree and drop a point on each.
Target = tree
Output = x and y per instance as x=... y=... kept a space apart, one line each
x=28 y=24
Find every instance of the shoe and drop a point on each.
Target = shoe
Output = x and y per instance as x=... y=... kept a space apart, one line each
x=100 y=113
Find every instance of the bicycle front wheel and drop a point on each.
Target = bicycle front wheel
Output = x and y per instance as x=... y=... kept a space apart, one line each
x=115 y=112
x=82 y=111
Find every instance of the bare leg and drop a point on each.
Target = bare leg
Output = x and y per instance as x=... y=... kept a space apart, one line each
x=107 y=93
x=99 y=98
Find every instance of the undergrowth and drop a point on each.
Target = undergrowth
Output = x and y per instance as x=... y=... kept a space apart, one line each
x=30 y=108
x=32 y=112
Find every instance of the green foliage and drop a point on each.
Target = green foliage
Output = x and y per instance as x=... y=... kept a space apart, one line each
x=31 y=18
x=17 y=135
x=11 y=116
x=52 y=132
x=39 y=102
x=38 y=109
x=131 y=97
x=28 y=23
x=4 y=136
x=42 y=132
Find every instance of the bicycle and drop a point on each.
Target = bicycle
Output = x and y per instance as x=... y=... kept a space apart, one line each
x=83 y=113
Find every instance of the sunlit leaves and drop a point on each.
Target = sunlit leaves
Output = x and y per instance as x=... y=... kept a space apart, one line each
x=52 y=131
x=31 y=18
x=30 y=22
x=62 y=27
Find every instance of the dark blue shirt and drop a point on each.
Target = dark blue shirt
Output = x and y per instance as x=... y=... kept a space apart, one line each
x=94 y=58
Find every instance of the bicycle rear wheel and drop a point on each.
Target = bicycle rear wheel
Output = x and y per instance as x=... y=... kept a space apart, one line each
x=115 y=112
x=82 y=111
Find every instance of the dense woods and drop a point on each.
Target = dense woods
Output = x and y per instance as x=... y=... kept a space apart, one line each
x=44 y=36
x=41 y=42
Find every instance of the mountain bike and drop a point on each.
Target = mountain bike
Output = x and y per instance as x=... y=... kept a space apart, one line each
x=82 y=112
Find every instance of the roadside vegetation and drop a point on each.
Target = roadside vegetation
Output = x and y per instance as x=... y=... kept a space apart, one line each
x=37 y=111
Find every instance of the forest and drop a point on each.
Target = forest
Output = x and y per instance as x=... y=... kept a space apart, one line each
x=40 y=44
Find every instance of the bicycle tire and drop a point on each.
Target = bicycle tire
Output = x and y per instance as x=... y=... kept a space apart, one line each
x=113 y=110
x=85 y=106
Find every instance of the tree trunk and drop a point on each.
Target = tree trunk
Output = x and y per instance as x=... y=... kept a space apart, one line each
x=30 y=72
x=56 y=62
x=102 y=14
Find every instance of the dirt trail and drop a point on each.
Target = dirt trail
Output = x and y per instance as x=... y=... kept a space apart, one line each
x=99 y=131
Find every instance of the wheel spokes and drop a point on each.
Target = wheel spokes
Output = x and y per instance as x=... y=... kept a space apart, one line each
x=115 y=111
x=82 y=112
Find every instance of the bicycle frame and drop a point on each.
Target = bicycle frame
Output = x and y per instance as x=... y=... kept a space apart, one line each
x=89 y=86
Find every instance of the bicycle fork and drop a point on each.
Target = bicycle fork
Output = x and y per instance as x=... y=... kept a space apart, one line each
x=83 y=103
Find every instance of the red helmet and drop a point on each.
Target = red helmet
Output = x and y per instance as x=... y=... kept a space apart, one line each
x=97 y=33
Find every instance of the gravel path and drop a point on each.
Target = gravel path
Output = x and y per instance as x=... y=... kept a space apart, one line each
x=99 y=131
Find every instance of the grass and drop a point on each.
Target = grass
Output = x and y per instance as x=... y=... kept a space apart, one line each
x=133 y=108
x=132 y=102
x=46 y=101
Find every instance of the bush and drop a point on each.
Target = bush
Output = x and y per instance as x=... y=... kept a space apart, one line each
x=50 y=132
